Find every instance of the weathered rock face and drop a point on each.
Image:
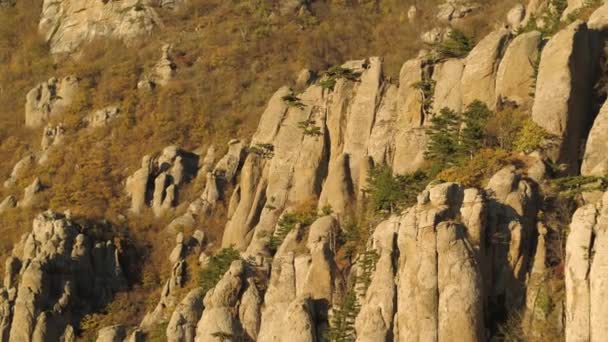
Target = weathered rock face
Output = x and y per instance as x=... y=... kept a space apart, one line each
x=455 y=9
x=43 y=304
x=220 y=315
x=67 y=25
x=586 y=285
x=562 y=103
x=102 y=117
x=479 y=75
x=599 y=19
x=515 y=76
x=182 y=326
x=375 y=320
x=22 y=167
x=448 y=94
x=49 y=99
x=512 y=216
x=116 y=333
x=164 y=70
x=157 y=181
x=595 y=161
x=440 y=285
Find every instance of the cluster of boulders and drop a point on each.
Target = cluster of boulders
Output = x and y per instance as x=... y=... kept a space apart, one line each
x=157 y=182
x=57 y=273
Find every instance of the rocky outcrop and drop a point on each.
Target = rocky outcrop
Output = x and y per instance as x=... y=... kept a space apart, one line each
x=481 y=66
x=68 y=25
x=220 y=317
x=448 y=94
x=164 y=70
x=182 y=326
x=440 y=281
x=53 y=135
x=157 y=181
x=49 y=99
x=30 y=194
x=116 y=333
x=595 y=160
x=43 y=304
x=22 y=167
x=455 y=9
x=562 y=104
x=375 y=319
x=102 y=117
x=586 y=285
x=599 y=19
x=515 y=76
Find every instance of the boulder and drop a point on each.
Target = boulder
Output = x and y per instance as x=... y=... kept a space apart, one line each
x=481 y=65
x=439 y=279
x=562 y=105
x=182 y=325
x=599 y=19
x=220 y=315
x=115 y=333
x=585 y=286
x=338 y=188
x=102 y=117
x=515 y=16
x=515 y=76
x=448 y=93
x=48 y=100
x=30 y=192
x=22 y=167
x=573 y=6
x=595 y=161
x=375 y=319
x=455 y=9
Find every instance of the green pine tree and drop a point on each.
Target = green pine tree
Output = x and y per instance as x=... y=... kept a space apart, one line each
x=443 y=147
x=474 y=119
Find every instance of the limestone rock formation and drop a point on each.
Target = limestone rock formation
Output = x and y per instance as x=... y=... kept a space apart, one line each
x=49 y=99
x=44 y=304
x=68 y=25
x=562 y=104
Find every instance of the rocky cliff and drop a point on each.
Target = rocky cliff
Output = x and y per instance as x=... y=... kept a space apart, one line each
x=338 y=218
